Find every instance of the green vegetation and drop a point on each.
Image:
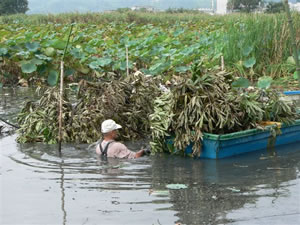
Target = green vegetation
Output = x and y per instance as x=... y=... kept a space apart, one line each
x=128 y=101
x=244 y=5
x=183 y=50
x=211 y=101
x=159 y=44
x=205 y=100
x=275 y=7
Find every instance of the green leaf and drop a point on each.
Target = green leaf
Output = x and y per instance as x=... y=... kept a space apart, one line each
x=84 y=70
x=264 y=82
x=90 y=50
x=43 y=57
x=295 y=75
x=37 y=61
x=28 y=67
x=24 y=54
x=77 y=53
x=182 y=69
x=69 y=72
x=178 y=32
x=49 y=51
x=52 y=77
x=247 y=50
x=241 y=83
x=176 y=186
x=104 y=61
x=249 y=63
x=94 y=65
x=3 y=51
x=32 y=46
x=291 y=60
x=58 y=44
x=156 y=66
x=1 y=85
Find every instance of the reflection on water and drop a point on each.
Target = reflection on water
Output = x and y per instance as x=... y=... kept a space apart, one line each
x=81 y=188
x=218 y=192
x=11 y=100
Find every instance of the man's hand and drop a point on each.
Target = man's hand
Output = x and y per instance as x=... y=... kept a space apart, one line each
x=147 y=150
x=143 y=151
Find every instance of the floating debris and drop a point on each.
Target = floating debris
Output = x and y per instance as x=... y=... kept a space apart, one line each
x=176 y=186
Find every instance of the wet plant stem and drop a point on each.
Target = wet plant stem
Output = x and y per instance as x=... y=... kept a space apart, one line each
x=10 y=124
x=293 y=38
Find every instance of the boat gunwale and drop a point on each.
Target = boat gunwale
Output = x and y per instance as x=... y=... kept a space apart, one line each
x=245 y=133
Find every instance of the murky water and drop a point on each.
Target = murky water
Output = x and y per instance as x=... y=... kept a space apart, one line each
x=39 y=187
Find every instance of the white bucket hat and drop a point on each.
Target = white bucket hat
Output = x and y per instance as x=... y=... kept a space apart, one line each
x=109 y=125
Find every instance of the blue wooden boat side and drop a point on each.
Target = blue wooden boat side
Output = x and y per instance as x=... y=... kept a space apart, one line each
x=221 y=146
x=292 y=92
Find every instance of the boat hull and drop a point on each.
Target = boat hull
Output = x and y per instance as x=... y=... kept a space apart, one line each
x=222 y=146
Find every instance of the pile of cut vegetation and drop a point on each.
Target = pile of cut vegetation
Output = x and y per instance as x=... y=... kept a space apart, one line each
x=128 y=101
x=208 y=102
x=205 y=101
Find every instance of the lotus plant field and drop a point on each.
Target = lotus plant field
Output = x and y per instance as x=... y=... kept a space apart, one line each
x=251 y=45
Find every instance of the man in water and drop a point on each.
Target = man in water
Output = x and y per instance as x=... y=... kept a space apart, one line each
x=111 y=148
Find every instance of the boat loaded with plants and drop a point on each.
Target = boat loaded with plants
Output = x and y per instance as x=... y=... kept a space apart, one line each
x=180 y=84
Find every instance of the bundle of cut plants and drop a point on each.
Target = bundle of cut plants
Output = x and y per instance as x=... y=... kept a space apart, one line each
x=206 y=102
x=128 y=101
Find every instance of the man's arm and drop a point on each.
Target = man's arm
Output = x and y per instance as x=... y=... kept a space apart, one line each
x=140 y=153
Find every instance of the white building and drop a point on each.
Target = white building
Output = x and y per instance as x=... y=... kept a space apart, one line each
x=295 y=6
x=147 y=8
x=221 y=7
x=217 y=7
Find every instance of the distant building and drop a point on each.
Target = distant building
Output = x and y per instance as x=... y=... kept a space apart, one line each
x=221 y=7
x=295 y=6
x=217 y=7
x=146 y=8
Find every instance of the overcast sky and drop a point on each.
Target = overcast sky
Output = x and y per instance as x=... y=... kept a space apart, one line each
x=60 y=6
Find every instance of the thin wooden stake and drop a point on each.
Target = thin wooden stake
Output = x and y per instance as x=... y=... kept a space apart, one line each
x=127 y=61
x=61 y=94
x=60 y=105
x=293 y=38
x=222 y=63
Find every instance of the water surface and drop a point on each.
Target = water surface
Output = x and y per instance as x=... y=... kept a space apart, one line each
x=38 y=186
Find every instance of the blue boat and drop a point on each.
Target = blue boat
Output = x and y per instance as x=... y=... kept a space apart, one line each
x=226 y=145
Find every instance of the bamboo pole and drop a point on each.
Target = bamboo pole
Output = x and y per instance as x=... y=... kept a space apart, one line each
x=61 y=93
x=60 y=105
x=222 y=63
x=127 y=61
x=293 y=38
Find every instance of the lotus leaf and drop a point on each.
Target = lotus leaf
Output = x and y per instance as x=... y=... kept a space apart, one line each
x=249 y=63
x=53 y=77
x=28 y=67
x=32 y=46
x=264 y=82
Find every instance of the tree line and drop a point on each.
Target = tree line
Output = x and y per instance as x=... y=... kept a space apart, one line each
x=8 y=7
x=252 y=5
